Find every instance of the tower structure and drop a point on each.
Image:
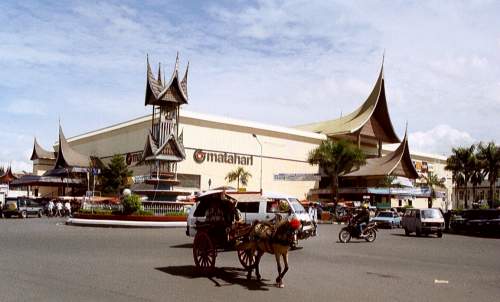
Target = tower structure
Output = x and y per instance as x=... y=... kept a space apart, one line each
x=164 y=148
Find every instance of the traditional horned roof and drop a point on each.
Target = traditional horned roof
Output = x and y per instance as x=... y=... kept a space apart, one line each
x=371 y=118
x=396 y=163
x=41 y=153
x=171 y=150
x=7 y=177
x=173 y=91
x=67 y=157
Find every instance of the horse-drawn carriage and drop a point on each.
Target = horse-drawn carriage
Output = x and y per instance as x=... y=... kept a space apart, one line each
x=223 y=229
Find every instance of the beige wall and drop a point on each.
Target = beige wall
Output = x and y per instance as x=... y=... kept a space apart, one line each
x=282 y=152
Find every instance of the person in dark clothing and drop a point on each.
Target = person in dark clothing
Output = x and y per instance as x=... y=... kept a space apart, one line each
x=362 y=219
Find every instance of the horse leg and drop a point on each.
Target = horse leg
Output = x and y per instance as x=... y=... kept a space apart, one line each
x=278 y=263
x=282 y=275
x=257 y=262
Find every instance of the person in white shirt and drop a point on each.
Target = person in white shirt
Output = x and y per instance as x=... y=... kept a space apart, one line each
x=67 y=208
x=313 y=213
x=59 y=208
x=50 y=209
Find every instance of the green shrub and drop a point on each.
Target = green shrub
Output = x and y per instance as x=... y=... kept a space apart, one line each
x=96 y=212
x=131 y=204
x=141 y=212
x=178 y=213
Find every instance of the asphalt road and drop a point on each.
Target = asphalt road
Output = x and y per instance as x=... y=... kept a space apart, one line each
x=45 y=260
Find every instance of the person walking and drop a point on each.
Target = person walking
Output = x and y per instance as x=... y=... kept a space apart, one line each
x=59 y=208
x=50 y=209
x=313 y=213
x=67 y=208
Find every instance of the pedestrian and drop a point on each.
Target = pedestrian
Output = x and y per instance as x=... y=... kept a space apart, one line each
x=313 y=213
x=50 y=209
x=59 y=208
x=67 y=208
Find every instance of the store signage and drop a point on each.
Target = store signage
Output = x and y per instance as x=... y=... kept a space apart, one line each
x=297 y=177
x=201 y=156
x=133 y=157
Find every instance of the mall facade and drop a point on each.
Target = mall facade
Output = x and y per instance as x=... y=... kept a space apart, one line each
x=212 y=146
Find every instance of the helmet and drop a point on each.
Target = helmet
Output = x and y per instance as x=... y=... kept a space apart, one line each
x=365 y=206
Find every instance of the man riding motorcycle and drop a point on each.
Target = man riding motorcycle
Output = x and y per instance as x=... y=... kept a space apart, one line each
x=362 y=219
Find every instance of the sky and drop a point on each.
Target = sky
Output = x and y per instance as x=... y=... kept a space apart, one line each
x=277 y=62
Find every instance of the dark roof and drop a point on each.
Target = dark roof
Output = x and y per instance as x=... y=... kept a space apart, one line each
x=7 y=177
x=36 y=180
x=172 y=92
x=41 y=153
x=370 y=119
x=171 y=150
x=396 y=163
x=67 y=157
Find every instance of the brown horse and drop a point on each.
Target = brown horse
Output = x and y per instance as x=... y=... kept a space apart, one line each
x=273 y=238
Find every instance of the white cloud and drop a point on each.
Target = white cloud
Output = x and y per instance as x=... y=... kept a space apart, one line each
x=26 y=107
x=440 y=139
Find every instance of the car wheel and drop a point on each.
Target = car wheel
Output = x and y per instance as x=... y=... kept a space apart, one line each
x=23 y=214
x=440 y=234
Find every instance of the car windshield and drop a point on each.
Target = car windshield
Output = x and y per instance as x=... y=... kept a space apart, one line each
x=297 y=207
x=431 y=214
x=384 y=214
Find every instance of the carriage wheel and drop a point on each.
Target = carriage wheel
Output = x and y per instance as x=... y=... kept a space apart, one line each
x=204 y=253
x=247 y=257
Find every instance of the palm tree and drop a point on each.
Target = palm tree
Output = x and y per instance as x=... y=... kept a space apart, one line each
x=489 y=155
x=432 y=182
x=240 y=175
x=336 y=159
x=453 y=165
x=477 y=175
x=463 y=158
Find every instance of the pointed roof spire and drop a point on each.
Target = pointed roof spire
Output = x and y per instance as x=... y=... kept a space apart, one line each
x=40 y=153
x=177 y=61
x=67 y=156
x=8 y=176
x=159 y=73
x=184 y=80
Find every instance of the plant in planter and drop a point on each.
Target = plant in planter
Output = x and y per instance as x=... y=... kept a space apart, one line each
x=131 y=204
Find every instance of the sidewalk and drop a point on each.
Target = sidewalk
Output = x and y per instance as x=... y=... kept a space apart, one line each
x=125 y=224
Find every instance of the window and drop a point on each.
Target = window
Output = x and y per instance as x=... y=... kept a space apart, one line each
x=189 y=180
x=277 y=205
x=248 y=207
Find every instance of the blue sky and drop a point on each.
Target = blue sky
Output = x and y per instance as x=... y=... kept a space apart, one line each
x=278 y=62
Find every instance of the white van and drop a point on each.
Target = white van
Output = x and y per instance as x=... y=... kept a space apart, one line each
x=423 y=221
x=263 y=208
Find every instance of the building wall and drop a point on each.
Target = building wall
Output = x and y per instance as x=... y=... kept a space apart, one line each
x=281 y=152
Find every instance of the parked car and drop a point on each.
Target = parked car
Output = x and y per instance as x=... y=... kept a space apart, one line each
x=423 y=221
x=387 y=219
x=483 y=221
x=22 y=207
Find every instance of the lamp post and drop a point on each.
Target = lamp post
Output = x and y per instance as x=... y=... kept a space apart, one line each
x=254 y=135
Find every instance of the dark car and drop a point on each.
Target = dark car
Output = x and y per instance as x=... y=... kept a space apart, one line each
x=22 y=207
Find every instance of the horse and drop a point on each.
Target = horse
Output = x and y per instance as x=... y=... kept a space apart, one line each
x=273 y=238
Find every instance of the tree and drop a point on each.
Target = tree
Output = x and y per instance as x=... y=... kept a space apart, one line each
x=114 y=176
x=240 y=175
x=453 y=165
x=462 y=161
x=489 y=155
x=336 y=159
x=477 y=175
x=432 y=182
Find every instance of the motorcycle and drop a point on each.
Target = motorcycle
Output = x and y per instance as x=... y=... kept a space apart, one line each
x=351 y=230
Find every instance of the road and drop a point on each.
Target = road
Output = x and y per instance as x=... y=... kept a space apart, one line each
x=45 y=260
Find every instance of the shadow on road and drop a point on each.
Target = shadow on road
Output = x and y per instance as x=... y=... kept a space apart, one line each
x=182 y=246
x=223 y=276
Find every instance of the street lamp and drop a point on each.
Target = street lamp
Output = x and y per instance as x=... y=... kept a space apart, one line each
x=254 y=135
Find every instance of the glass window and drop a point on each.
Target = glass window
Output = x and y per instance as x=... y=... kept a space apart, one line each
x=248 y=207
x=385 y=214
x=277 y=205
x=297 y=207
x=431 y=213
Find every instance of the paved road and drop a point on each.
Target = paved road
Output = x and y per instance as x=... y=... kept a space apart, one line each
x=44 y=260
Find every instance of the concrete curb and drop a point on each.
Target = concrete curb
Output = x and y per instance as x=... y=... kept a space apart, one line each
x=125 y=224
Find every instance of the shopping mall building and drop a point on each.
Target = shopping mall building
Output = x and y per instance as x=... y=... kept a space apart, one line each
x=206 y=148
